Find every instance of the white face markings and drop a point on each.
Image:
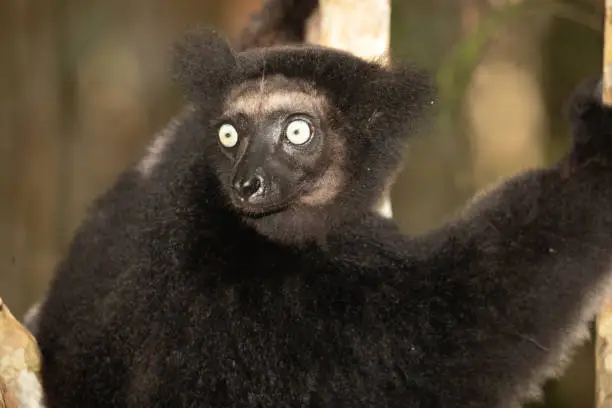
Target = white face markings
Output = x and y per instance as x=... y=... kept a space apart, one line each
x=228 y=135
x=271 y=94
x=257 y=103
x=332 y=181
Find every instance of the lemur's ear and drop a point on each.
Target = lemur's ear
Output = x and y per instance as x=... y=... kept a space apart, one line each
x=403 y=94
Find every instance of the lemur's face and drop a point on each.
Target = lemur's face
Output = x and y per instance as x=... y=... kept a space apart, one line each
x=280 y=153
x=301 y=139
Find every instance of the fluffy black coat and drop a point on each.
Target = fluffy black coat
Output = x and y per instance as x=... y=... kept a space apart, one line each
x=167 y=298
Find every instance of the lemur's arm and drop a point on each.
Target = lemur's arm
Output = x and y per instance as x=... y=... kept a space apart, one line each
x=508 y=289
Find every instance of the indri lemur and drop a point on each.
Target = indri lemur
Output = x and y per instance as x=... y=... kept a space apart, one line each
x=240 y=263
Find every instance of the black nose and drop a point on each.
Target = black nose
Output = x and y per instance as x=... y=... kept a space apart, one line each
x=247 y=188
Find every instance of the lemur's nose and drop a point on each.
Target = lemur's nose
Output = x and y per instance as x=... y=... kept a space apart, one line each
x=248 y=187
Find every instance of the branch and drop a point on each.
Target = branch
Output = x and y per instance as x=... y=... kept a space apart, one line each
x=20 y=362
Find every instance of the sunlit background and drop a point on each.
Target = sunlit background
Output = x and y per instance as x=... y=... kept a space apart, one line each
x=84 y=83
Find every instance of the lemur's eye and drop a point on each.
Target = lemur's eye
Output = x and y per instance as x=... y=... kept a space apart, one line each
x=298 y=131
x=228 y=135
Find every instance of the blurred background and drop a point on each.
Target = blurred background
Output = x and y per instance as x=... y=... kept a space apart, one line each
x=84 y=83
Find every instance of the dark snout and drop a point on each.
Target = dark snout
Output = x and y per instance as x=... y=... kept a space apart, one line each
x=265 y=176
x=255 y=184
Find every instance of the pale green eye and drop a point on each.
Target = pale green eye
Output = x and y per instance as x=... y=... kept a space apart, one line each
x=298 y=132
x=228 y=135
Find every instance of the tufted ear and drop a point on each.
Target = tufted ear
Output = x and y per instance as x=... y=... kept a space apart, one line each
x=204 y=64
x=403 y=95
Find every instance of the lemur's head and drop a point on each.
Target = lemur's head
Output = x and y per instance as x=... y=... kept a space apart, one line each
x=300 y=137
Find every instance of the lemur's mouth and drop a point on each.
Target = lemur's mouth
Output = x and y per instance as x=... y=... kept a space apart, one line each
x=258 y=211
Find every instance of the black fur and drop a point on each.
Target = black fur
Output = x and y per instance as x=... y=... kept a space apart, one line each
x=167 y=298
